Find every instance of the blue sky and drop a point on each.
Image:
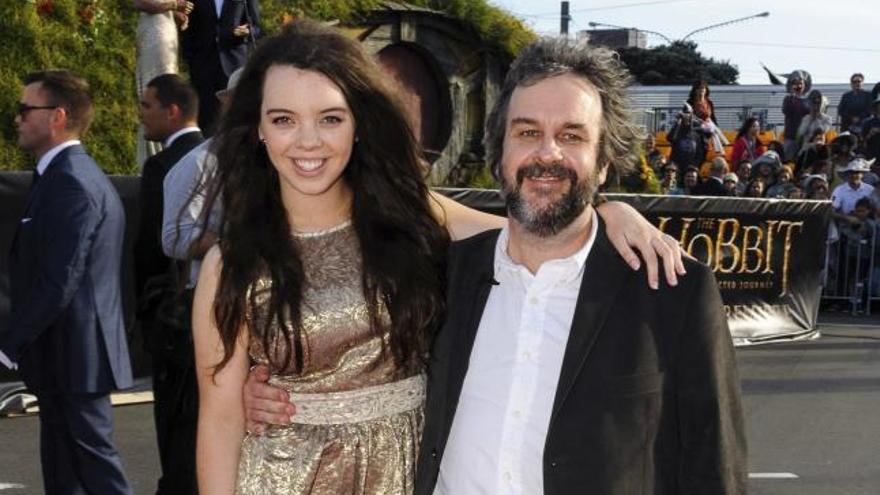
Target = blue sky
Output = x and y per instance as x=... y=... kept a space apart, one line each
x=830 y=39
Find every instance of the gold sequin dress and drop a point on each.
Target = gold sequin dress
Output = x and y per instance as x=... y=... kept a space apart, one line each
x=359 y=418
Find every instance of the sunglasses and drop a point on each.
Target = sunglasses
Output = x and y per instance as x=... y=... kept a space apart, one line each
x=24 y=108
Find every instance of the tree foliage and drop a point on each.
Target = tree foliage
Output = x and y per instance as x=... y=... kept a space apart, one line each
x=676 y=63
x=91 y=37
x=96 y=39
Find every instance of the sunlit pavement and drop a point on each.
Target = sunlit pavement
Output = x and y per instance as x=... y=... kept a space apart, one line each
x=813 y=412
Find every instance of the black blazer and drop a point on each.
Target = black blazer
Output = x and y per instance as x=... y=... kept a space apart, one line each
x=648 y=398
x=149 y=259
x=66 y=327
x=209 y=35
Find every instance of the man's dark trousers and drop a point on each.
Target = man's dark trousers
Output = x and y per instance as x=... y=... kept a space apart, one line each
x=176 y=397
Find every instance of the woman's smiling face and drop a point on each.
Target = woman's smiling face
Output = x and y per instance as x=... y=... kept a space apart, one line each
x=308 y=129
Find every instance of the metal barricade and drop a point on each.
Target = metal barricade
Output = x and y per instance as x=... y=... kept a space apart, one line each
x=849 y=275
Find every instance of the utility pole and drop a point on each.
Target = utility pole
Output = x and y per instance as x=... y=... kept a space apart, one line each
x=564 y=19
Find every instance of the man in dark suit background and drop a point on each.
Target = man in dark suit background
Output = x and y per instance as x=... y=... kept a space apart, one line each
x=168 y=111
x=557 y=370
x=216 y=42
x=66 y=334
x=714 y=183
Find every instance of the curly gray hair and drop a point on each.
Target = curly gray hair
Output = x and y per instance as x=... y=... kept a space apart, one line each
x=620 y=137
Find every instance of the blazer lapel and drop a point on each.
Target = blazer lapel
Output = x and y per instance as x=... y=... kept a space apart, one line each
x=230 y=13
x=214 y=15
x=33 y=190
x=604 y=273
x=476 y=268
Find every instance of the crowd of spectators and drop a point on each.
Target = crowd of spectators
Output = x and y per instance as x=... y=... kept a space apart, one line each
x=815 y=158
x=801 y=164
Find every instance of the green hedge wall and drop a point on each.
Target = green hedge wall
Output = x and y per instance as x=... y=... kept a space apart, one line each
x=96 y=38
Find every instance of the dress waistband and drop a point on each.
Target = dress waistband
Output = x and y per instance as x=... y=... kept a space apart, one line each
x=355 y=406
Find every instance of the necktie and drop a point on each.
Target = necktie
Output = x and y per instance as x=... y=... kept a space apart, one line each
x=33 y=187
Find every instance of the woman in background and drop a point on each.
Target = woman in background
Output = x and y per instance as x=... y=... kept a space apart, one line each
x=747 y=146
x=699 y=100
x=704 y=111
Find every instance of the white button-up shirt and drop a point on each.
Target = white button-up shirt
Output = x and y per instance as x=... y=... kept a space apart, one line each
x=496 y=444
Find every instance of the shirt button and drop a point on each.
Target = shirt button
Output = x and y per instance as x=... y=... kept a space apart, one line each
x=526 y=355
x=533 y=301
x=506 y=475
x=517 y=413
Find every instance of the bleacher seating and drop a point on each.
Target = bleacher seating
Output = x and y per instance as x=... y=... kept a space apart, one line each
x=665 y=147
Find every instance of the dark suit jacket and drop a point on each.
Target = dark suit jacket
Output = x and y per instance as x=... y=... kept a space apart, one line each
x=66 y=328
x=710 y=187
x=149 y=259
x=648 y=397
x=208 y=35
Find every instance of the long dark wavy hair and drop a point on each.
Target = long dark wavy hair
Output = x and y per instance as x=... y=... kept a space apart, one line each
x=403 y=246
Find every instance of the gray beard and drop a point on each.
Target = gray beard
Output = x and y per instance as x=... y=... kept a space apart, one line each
x=552 y=219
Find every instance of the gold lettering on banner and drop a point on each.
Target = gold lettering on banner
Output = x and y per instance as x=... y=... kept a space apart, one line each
x=735 y=248
x=685 y=226
x=786 y=249
x=771 y=224
x=726 y=243
x=705 y=238
x=706 y=224
x=749 y=248
x=661 y=223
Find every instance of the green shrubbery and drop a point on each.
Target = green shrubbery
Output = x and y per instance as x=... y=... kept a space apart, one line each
x=93 y=38
x=96 y=38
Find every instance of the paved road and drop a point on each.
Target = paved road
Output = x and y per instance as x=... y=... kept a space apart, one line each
x=812 y=408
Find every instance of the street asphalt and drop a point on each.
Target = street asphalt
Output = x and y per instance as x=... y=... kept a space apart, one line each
x=812 y=411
